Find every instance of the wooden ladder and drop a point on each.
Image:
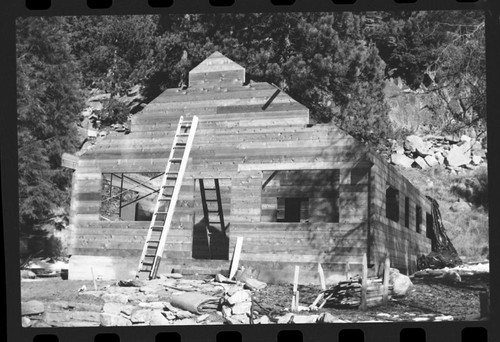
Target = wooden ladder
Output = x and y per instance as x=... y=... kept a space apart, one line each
x=210 y=210
x=167 y=198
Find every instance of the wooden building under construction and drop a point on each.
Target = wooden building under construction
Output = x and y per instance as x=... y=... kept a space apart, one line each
x=297 y=193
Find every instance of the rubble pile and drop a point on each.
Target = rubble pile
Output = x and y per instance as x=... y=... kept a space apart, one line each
x=450 y=152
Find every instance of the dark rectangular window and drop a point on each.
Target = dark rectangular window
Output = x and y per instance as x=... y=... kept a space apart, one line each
x=392 y=204
x=418 y=214
x=359 y=176
x=293 y=209
x=407 y=212
x=429 y=232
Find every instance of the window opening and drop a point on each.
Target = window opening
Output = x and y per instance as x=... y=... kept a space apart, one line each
x=294 y=209
x=418 y=213
x=392 y=204
x=407 y=212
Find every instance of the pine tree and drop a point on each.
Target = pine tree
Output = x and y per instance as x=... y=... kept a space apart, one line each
x=48 y=101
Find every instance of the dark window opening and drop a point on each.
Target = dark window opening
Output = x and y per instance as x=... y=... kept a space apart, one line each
x=429 y=229
x=293 y=209
x=359 y=176
x=407 y=212
x=392 y=204
x=418 y=214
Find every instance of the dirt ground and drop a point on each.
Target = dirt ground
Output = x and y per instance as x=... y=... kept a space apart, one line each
x=429 y=297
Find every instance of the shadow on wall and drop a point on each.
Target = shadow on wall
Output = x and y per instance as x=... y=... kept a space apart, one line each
x=210 y=243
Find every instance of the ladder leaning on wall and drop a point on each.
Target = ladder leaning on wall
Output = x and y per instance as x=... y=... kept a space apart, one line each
x=167 y=198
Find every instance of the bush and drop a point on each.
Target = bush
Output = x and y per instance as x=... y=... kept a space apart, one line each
x=473 y=188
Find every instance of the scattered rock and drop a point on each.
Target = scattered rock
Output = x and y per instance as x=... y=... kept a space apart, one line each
x=416 y=144
x=33 y=307
x=460 y=206
x=439 y=157
x=27 y=274
x=401 y=160
x=25 y=322
x=420 y=163
x=157 y=318
x=115 y=298
x=110 y=320
x=262 y=320
x=238 y=297
x=431 y=161
x=241 y=308
x=141 y=316
x=241 y=319
x=181 y=314
x=401 y=284
x=202 y=318
x=476 y=160
x=459 y=155
x=112 y=308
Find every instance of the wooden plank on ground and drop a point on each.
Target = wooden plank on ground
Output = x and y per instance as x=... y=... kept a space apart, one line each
x=236 y=257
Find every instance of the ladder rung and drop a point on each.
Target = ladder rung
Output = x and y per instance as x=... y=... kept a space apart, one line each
x=175 y=160
x=144 y=270
x=150 y=255
x=157 y=227
x=186 y=124
x=210 y=188
x=213 y=211
x=215 y=222
x=147 y=263
x=161 y=212
x=153 y=241
x=168 y=186
x=182 y=135
x=179 y=147
x=211 y=200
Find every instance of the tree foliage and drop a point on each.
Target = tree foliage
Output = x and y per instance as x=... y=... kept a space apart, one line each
x=48 y=102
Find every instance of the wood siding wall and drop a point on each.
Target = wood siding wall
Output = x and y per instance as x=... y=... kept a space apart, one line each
x=403 y=244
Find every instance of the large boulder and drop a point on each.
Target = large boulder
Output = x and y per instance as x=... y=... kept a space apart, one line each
x=420 y=163
x=415 y=144
x=401 y=284
x=33 y=307
x=460 y=206
x=459 y=155
x=431 y=161
x=401 y=160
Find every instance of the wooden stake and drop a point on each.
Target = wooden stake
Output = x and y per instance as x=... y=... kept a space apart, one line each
x=296 y=279
x=385 y=287
x=295 y=286
x=236 y=257
x=297 y=300
x=321 y=277
x=93 y=278
x=347 y=269
x=363 y=283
